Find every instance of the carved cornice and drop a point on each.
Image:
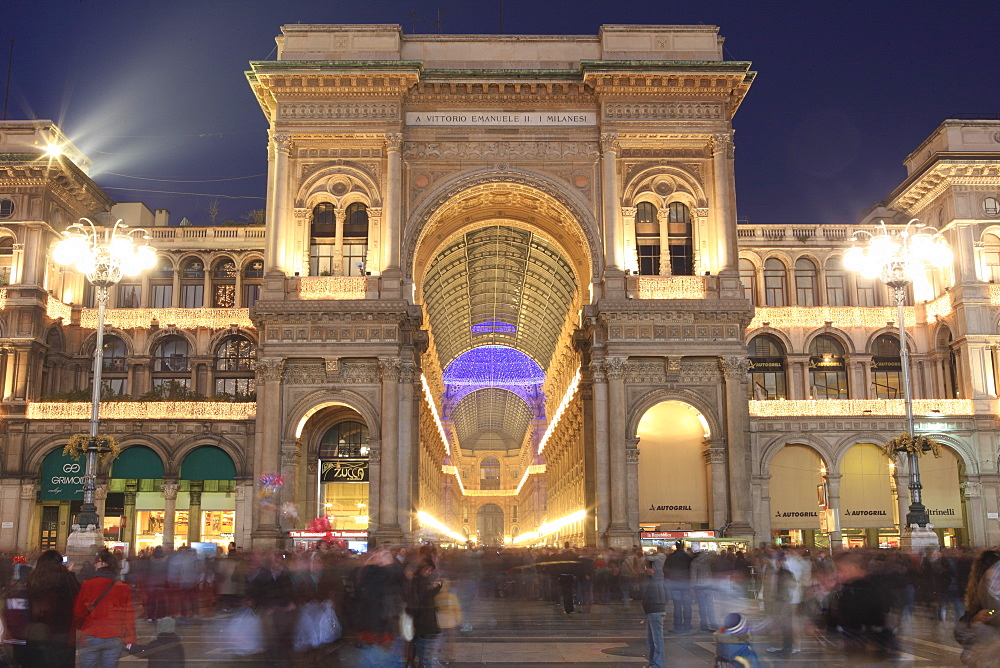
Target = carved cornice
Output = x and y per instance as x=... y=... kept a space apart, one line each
x=652 y=111
x=340 y=111
x=305 y=374
x=482 y=90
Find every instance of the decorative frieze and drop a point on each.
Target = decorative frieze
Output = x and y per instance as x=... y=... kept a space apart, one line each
x=345 y=111
x=305 y=374
x=364 y=372
x=269 y=369
x=628 y=111
x=500 y=150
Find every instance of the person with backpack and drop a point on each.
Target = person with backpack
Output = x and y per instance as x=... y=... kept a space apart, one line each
x=104 y=616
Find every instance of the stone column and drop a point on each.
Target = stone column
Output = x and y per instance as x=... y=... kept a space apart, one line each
x=131 y=488
x=170 y=489
x=194 y=512
x=760 y=495
x=737 y=421
x=290 y=469
x=28 y=508
x=632 y=476
x=275 y=256
x=100 y=501
x=600 y=418
x=338 y=244
x=392 y=210
x=267 y=454
x=715 y=457
x=619 y=532
x=405 y=479
x=663 y=218
x=374 y=485
x=631 y=245
x=243 y=529
x=702 y=258
x=388 y=526
x=609 y=200
x=975 y=510
x=833 y=499
x=722 y=181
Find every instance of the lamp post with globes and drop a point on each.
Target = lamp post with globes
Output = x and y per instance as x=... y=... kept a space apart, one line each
x=899 y=258
x=104 y=255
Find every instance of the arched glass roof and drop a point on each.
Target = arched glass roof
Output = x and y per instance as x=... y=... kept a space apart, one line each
x=492 y=366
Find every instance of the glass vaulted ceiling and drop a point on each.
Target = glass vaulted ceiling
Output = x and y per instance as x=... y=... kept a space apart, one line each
x=496 y=286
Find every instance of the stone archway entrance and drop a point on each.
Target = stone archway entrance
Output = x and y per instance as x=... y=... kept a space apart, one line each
x=490 y=525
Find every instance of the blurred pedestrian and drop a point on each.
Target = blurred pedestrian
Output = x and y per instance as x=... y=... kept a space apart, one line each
x=677 y=571
x=164 y=651
x=978 y=630
x=654 y=606
x=859 y=609
x=52 y=590
x=103 y=613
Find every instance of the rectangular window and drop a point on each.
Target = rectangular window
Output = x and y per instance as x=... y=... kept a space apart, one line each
x=129 y=295
x=239 y=389
x=192 y=296
x=805 y=290
x=866 y=291
x=321 y=260
x=354 y=255
x=649 y=258
x=251 y=293
x=163 y=296
x=113 y=387
x=835 y=292
x=224 y=296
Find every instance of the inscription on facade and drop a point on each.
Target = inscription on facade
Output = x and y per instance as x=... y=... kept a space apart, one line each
x=501 y=118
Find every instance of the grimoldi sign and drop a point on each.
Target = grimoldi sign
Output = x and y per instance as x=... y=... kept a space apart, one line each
x=350 y=470
x=491 y=118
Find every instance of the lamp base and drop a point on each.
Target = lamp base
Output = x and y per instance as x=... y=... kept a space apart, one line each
x=83 y=543
x=919 y=539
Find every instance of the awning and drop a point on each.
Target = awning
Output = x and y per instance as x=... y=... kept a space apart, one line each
x=208 y=463
x=138 y=462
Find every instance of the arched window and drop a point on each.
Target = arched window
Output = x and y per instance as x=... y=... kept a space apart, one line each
x=253 y=278
x=6 y=258
x=489 y=473
x=114 y=368
x=680 y=239
x=775 y=291
x=355 y=239
x=827 y=369
x=647 y=239
x=991 y=257
x=193 y=283
x=748 y=276
x=224 y=283
x=345 y=440
x=323 y=220
x=887 y=368
x=836 y=282
x=161 y=284
x=806 y=282
x=171 y=368
x=767 y=368
x=234 y=369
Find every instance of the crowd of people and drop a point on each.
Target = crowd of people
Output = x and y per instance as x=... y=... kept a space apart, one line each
x=398 y=605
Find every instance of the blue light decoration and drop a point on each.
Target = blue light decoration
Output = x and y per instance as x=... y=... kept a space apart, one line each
x=493 y=326
x=493 y=366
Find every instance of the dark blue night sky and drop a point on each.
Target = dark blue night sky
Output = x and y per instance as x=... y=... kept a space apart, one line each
x=155 y=93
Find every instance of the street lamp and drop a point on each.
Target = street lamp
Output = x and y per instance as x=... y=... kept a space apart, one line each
x=900 y=258
x=103 y=255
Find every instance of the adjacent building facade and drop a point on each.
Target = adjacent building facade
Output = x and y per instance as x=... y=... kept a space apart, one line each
x=509 y=305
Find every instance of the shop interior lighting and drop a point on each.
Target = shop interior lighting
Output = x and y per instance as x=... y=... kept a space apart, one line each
x=429 y=520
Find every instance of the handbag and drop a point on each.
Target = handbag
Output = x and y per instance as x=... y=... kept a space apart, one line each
x=317 y=626
x=244 y=633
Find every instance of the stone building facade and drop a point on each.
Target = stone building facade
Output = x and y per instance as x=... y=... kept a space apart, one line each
x=510 y=304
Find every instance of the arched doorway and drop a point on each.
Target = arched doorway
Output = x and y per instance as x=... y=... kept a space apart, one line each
x=674 y=480
x=797 y=488
x=489 y=525
x=867 y=513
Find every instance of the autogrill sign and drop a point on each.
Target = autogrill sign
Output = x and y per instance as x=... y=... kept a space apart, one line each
x=866 y=513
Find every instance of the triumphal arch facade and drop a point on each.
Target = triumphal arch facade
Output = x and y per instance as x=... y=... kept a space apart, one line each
x=501 y=297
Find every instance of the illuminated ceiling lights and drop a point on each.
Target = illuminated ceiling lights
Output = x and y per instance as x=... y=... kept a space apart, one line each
x=671 y=287
x=567 y=397
x=429 y=520
x=493 y=366
x=434 y=411
x=144 y=410
x=332 y=287
x=858 y=407
x=551 y=527
x=183 y=318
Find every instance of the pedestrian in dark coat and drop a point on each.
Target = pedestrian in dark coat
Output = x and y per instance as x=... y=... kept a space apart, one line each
x=52 y=589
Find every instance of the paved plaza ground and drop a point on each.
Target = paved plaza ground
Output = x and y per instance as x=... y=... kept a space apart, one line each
x=535 y=633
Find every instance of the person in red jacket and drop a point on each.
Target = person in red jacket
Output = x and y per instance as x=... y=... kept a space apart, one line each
x=103 y=613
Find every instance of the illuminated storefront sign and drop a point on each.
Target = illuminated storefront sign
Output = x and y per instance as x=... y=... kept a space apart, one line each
x=344 y=471
x=343 y=535
x=674 y=535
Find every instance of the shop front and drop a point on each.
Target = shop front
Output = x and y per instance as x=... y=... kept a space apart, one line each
x=696 y=540
x=671 y=439
x=208 y=476
x=942 y=496
x=343 y=479
x=60 y=497
x=867 y=511
x=798 y=495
